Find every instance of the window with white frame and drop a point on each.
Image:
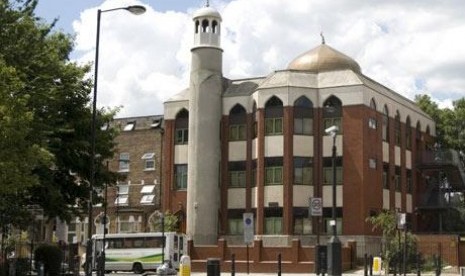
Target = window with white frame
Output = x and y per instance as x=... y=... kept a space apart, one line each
x=124 y=162
x=147 y=194
x=129 y=126
x=149 y=161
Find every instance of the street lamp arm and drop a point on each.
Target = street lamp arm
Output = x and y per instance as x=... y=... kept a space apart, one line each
x=135 y=9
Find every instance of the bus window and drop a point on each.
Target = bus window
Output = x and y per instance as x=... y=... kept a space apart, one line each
x=139 y=243
x=115 y=243
x=181 y=243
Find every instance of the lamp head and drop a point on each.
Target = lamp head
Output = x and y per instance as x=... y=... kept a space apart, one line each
x=136 y=9
x=332 y=130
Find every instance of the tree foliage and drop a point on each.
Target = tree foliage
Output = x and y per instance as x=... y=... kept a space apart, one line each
x=45 y=119
x=450 y=122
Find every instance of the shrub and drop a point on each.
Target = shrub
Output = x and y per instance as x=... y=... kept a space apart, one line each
x=51 y=256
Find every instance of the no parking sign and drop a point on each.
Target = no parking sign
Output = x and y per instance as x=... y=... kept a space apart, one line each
x=248 y=227
x=316 y=206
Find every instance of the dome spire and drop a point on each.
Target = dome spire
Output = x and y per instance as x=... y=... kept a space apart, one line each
x=322 y=38
x=207 y=4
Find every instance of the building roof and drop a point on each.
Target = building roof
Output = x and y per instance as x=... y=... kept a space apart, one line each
x=323 y=58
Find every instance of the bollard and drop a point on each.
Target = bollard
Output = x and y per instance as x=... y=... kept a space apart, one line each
x=233 y=264
x=418 y=257
x=365 y=267
x=213 y=267
x=377 y=264
x=41 y=271
x=185 y=266
x=370 y=261
x=279 y=264
x=438 y=264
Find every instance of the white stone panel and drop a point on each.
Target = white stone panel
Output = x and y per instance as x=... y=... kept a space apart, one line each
x=328 y=196
x=273 y=193
x=180 y=154
x=254 y=148
x=385 y=152
x=397 y=155
x=398 y=200
x=230 y=102
x=301 y=195
x=274 y=145
x=172 y=108
x=254 y=197
x=328 y=146
x=386 y=199
x=236 y=198
x=408 y=159
x=237 y=151
x=303 y=145
x=409 y=206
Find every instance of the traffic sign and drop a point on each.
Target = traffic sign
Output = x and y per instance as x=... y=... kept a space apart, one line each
x=248 y=227
x=316 y=206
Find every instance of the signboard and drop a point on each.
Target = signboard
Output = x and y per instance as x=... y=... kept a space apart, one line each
x=248 y=227
x=316 y=207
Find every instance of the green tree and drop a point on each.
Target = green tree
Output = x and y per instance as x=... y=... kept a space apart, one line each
x=170 y=223
x=393 y=239
x=45 y=119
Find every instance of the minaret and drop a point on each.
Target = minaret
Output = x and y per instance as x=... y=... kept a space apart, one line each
x=204 y=147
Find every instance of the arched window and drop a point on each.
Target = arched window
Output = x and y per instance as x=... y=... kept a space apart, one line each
x=385 y=132
x=373 y=104
x=255 y=119
x=303 y=116
x=274 y=116
x=205 y=25
x=332 y=113
x=418 y=131
x=214 y=26
x=408 y=134
x=197 y=24
x=237 y=124
x=397 y=129
x=181 y=126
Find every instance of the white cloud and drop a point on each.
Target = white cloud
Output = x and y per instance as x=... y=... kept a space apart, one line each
x=410 y=46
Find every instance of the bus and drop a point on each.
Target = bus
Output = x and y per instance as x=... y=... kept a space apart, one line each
x=138 y=252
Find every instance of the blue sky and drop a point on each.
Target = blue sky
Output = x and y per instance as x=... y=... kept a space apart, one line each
x=412 y=47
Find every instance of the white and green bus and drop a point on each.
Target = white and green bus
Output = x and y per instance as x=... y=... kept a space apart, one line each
x=138 y=252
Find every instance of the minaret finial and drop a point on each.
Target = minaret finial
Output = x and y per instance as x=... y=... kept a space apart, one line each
x=207 y=4
x=322 y=38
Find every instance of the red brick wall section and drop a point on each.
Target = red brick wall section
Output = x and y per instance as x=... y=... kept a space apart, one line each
x=444 y=245
x=294 y=259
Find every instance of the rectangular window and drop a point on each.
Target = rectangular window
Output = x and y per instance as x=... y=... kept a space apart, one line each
x=147 y=189
x=303 y=126
x=121 y=200
x=328 y=171
x=237 y=133
x=147 y=199
x=303 y=171
x=273 y=225
x=123 y=189
x=237 y=179
x=385 y=176
x=409 y=182
x=273 y=175
x=149 y=161
x=302 y=222
x=329 y=122
x=372 y=123
x=398 y=180
x=273 y=126
x=124 y=162
x=181 y=136
x=180 y=177
x=129 y=126
x=327 y=218
x=235 y=226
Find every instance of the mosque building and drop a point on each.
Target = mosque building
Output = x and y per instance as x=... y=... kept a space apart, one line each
x=259 y=145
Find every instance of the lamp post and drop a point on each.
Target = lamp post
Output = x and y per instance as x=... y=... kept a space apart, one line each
x=334 y=244
x=136 y=9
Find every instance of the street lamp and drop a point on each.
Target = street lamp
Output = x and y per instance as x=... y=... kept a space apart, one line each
x=136 y=9
x=334 y=244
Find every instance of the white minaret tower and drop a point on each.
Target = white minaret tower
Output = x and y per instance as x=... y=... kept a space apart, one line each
x=204 y=148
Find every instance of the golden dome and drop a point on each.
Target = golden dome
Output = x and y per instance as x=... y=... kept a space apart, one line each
x=323 y=58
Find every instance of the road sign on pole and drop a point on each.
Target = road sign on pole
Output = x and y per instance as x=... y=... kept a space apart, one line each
x=316 y=206
x=248 y=227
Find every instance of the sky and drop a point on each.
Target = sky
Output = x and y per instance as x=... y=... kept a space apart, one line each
x=413 y=47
